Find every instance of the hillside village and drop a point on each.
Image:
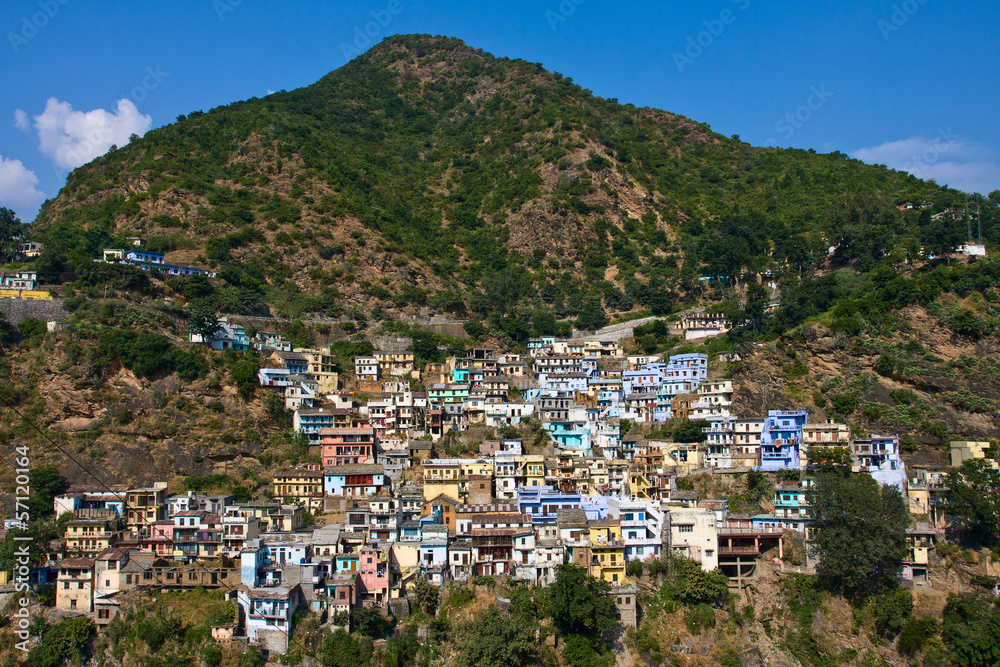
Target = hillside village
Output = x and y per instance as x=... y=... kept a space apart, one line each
x=499 y=465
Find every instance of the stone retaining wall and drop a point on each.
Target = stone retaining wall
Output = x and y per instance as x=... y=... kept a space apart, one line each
x=18 y=309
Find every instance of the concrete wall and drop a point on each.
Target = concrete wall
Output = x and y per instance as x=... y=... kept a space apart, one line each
x=18 y=309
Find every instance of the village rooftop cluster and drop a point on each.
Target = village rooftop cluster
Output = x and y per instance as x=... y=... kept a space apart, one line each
x=586 y=496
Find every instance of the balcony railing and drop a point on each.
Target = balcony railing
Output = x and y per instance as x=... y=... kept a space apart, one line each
x=738 y=550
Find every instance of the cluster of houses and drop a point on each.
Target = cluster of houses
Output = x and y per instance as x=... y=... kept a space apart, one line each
x=147 y=260
x=394 y=511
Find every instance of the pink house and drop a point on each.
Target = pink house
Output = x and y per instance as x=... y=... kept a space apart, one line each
x=347 y=446
x=374 y=566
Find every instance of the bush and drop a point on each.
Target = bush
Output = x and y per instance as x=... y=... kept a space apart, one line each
x=915 y=634
x=891 y=611
x=32 y=331
x=699 y=618
x=634 y=568
x=690 y=584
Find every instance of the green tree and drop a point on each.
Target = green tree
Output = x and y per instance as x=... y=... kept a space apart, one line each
x=690 y=430
x=975 y=500
x=46 y=484
x=503 y=291
x=65 y=641
x=493 y=639
x=340 y=649
x=915 y=634
x=860 y=533
x=687 y=582
x=32 y=331
x=830 y=458
x=891 y=610
x=580 y=651
x=203 y=321
x=370 y=622
x=244 y=375
x=971 y=631
x=580 y=604
x=427 y=596
x=12 y=233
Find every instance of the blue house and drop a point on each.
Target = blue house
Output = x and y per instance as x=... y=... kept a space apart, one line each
x=542 y=503
x=781 y=440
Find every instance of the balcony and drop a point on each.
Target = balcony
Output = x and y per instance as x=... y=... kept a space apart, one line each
x=738 y=550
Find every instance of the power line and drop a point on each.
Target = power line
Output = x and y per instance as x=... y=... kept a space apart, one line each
x=142 y=518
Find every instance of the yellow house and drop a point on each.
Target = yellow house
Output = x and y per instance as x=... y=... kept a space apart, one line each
x=90 y=536
x=302 y=486
x=532 y=468
x=641 y=486
x=607 y=551
x=146 y=506
x=442 y=476
x=476 y=468
x=322 y=367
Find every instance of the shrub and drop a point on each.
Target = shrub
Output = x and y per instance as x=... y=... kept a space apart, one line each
x=891 y=611
x=915 y=634
x=699 y=618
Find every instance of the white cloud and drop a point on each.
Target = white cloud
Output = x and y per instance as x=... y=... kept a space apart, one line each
x=947 y=158
x=21 y=120
x=73 y=138
x=18 y=189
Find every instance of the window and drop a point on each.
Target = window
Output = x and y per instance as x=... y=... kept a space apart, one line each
x=104 y=613
x=72 y=604
x=685 y=529
x=79 y=585
x=65 y=585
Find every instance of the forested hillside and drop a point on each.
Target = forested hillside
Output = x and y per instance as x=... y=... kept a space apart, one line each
x=428 y=174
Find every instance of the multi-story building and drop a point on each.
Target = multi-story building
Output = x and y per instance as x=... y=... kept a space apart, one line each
x=394 y=363
x=641 y=523
x=300 y=486
x=355 y=480
x=366 y=368
x=693 y=533
x=108 y=584
x=346 y=446
x=781 y=440
x=879 y=456
x=89 y=537
x=145 y=506
x=197 y=535
x=75 y=585
x=607 y=551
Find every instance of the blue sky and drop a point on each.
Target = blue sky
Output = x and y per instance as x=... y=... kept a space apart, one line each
x=911 y=84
